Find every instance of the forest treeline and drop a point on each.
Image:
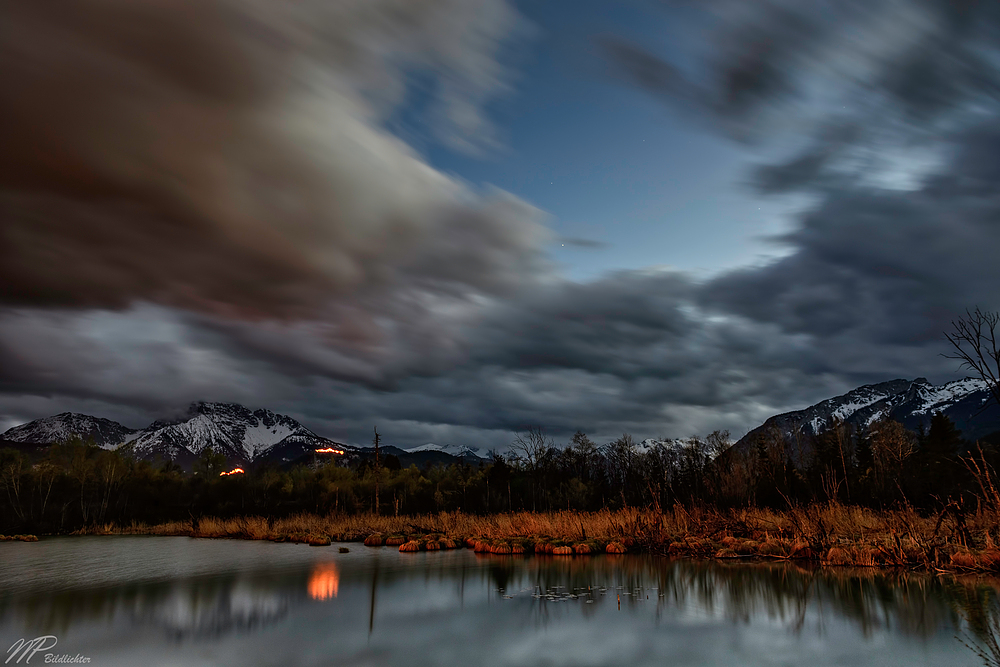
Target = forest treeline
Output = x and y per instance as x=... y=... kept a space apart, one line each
x=72 y=485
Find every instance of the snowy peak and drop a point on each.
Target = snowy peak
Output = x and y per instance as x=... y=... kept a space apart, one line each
x=672 y=444
x=237 y=432
x=228 y=428
x=461 y=451
x=865 y=404
x=966 y=402
x=104 y=433
x=937 y=399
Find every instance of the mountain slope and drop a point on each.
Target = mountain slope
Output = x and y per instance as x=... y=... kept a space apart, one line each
x=678 y=445
x=240 y=434
x=104 y=433
x=912 y=403
x=460 y=451
x=233 y=430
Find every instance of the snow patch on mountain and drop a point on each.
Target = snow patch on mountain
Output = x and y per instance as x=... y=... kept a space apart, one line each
x=844 y=407
x=911 y=403
x=677 y=445
x=936 y=399
x=231 y=429
x=454 y=450
x=104 y=433
x=261 y=436
x=847 y=409
x=876 y=416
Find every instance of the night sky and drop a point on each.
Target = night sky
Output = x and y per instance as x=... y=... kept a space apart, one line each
x=459 y=218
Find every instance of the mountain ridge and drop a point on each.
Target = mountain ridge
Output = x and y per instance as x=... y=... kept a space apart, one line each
x=105 y=433
x=260 y=435
x=911 y=402
x=239 y=433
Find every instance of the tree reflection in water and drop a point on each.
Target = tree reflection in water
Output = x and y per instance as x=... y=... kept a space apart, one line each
x=976 y=600
x=544 y=590
x=911 y=603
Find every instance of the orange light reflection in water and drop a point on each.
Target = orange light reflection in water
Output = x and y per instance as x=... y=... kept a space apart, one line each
x=324 y=582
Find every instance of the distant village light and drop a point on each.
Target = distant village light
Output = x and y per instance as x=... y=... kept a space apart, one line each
x=329 y=450
x=234 y=471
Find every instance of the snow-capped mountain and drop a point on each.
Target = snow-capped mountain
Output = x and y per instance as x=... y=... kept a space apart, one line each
x=912 y=403
x=669 y=443
x=461 y=451
x=67 y=425
x=240 y=434
x=233 y=430
x=678 y=445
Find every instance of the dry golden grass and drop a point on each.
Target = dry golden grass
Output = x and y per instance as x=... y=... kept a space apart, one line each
x=615 y=548
x=411 y=546
x=964 y=559
x=832 y=533
x=837 y=556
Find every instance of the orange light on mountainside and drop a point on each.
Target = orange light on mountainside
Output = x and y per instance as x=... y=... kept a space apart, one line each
x=324 y=582
x=234 y=471
x=329 y=450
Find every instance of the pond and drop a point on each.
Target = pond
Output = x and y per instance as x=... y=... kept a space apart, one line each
x=181 y=601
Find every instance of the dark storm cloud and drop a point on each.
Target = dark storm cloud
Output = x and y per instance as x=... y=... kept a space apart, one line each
x=199 y=199
x=872 y=270
x=874 y=279
x=813 y=168
x=748 y=70
x=919 y=57
x=575 y=326
x=226 y=157
x=876 y=267
x=629 y=353
x=246 y=230
x=891 y=250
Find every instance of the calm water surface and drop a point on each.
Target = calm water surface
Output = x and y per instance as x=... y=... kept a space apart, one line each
x=180 y=601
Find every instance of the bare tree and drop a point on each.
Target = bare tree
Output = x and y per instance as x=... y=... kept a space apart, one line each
x=378 y=468
x=621 y=459
x=530 y=446
x=892 y=444
x=717 y=442
x=974 y=338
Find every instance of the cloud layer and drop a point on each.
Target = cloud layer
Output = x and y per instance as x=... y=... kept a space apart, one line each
x=202 y=201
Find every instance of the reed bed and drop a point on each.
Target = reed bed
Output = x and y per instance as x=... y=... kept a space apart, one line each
x=831 y=534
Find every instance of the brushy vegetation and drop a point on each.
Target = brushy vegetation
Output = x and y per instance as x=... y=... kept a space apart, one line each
x=886 y=497
x=831 y=533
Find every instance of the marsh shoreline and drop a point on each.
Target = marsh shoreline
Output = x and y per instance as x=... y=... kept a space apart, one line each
x=828 y=534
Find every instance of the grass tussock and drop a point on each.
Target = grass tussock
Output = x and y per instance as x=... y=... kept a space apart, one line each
x=832 y=534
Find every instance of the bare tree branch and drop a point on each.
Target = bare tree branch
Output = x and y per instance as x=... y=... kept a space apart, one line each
x=974 y=338
x=530 y=446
